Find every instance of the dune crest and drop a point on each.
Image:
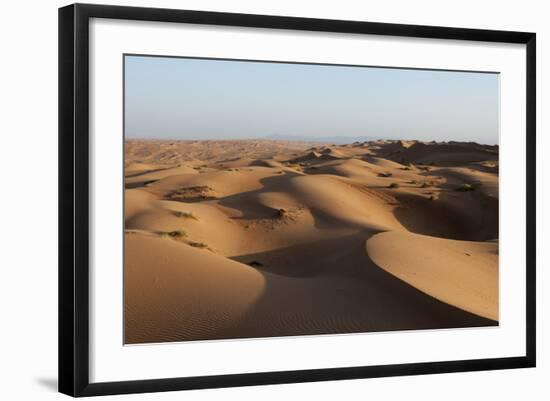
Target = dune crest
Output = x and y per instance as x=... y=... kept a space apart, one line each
x=468 y=278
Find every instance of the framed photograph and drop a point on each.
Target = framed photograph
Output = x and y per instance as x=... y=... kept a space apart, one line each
x=251 y=199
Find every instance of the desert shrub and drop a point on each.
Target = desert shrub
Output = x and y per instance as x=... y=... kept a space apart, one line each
x=393 y=185
x=185 y=215
x=465 y=188
x=385 y=174
x=194 y=244
x=177 y=234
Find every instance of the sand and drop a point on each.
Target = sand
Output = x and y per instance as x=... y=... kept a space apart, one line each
x=257 y=238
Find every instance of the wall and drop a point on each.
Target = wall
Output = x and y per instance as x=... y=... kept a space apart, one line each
x=28 y=89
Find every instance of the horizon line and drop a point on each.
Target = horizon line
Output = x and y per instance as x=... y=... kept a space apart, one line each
x=319 y=140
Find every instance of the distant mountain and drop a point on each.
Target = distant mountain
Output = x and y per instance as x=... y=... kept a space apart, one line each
x=323 y=139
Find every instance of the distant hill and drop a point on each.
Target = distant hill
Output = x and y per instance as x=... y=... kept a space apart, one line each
x=322 y=139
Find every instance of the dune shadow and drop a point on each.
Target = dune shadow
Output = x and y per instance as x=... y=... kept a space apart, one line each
x=246 y=202
x=471 y=216
x=333 y=287
x=305 y=260
x=139 y=184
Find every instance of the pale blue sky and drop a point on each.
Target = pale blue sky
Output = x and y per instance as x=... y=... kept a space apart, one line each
x=179 y=98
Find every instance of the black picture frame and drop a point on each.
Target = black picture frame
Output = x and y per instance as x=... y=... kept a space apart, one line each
x=74 y=200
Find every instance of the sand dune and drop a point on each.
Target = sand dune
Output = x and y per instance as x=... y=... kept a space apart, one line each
x=447 y=154
x=164 y=297
x=468 y=278
x=236 y=239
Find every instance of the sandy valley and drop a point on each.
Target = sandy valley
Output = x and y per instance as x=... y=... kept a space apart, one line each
x=260 y=238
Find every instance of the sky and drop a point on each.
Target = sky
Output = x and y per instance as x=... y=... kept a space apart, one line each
x=189 y=98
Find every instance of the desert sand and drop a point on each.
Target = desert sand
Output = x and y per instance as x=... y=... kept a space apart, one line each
x=259 y=238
